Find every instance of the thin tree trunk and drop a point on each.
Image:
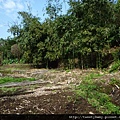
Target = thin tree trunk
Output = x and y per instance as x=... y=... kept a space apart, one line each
x=82 y=61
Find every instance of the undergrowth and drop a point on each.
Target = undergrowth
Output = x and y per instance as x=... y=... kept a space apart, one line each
x=12 y=79
x=115 y=66
x=95 y=95
x=5 y=90
x=114 y=81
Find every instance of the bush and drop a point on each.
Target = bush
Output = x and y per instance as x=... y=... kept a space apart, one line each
x=9 y=61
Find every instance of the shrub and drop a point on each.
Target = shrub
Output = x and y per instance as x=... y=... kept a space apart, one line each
x=9 y=61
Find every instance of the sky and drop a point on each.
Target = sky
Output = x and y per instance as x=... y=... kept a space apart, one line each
x=9 y=9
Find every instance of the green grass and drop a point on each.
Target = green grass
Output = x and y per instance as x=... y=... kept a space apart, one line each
x=67 y=70
x=115 y=66
x=95 y=95
x=5 y=71
x=12 y=90
x=114 y=81
x=5 y=90
x=11 y=79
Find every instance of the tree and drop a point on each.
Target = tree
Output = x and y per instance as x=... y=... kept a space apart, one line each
x=86 y=33
x=53 y=8
x=15 y=50
x=29 y=36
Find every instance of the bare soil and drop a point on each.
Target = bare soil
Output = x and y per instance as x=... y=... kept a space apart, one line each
x=52 y=93
x=57 y=103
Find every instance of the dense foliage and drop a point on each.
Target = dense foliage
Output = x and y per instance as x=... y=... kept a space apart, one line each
x=88 y=35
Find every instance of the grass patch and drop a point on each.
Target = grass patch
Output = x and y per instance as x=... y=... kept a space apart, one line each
x=5 y=71
x=114 y=81
x=11 y=79
x=67 y=70
x=93 y=93
x=115 y=66
x=5 y=90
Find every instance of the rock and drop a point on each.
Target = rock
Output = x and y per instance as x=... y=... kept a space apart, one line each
x=1 y=75
x=91 y=113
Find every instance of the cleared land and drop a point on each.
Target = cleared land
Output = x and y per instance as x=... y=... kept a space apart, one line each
x=59 y=91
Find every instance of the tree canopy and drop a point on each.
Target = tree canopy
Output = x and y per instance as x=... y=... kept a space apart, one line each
x=83 y=37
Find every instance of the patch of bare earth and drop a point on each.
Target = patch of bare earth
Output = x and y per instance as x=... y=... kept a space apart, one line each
x=52 y=93
x=57 y=103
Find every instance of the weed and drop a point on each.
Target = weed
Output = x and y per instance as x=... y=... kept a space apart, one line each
x=67 y=70
x=115 y=66
x=114 y=81
x=32 y=87
x=90 y=90
x=93 y=75
x=4 y=89
x=10 y=61
x=49 y=85
x=11 y=79
x=103 y=81
x=5 y=71
x=69 y=98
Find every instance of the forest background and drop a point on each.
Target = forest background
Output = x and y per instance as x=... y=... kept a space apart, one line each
x=87 y=36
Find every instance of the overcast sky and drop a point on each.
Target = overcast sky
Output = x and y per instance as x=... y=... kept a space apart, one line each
x=9 y=9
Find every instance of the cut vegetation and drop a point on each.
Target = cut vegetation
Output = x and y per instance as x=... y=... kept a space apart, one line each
x=64 y=92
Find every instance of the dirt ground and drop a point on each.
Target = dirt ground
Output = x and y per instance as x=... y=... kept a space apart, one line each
x=53 y=95
x=58 y=103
